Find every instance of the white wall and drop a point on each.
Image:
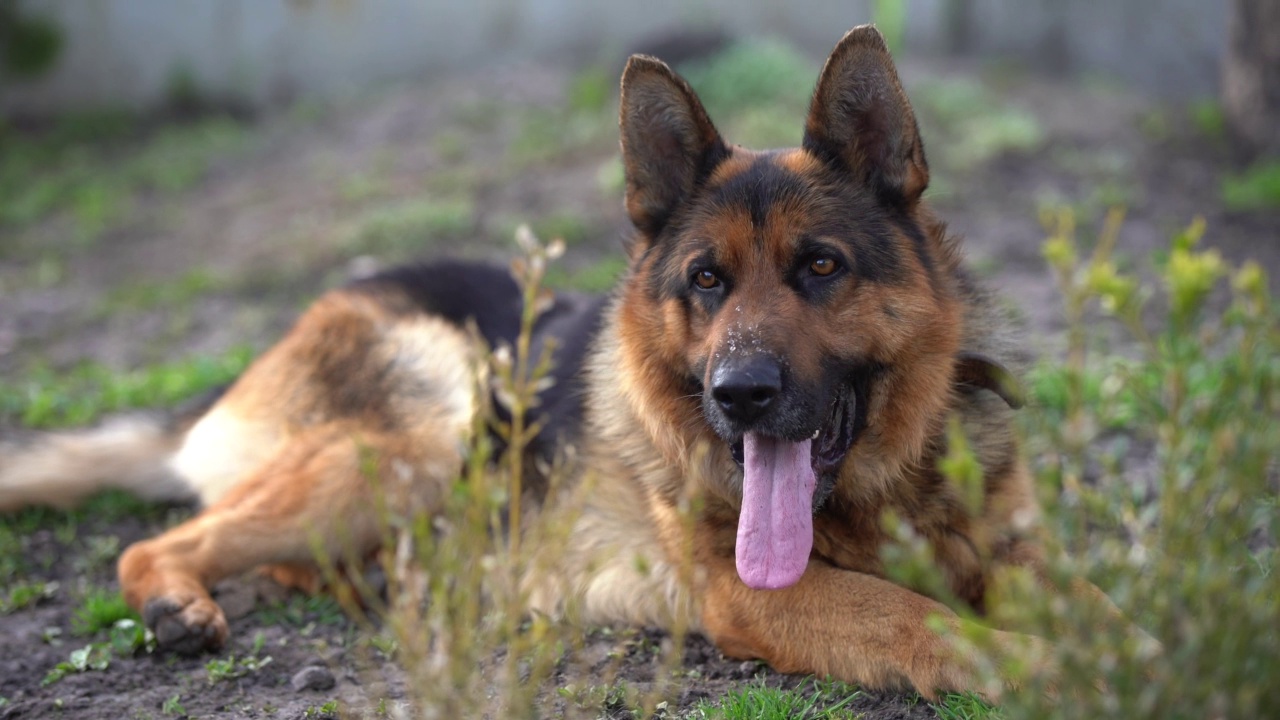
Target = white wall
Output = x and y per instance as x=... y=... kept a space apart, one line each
x=128 y=52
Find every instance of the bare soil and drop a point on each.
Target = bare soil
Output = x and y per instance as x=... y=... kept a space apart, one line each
x=273 y=224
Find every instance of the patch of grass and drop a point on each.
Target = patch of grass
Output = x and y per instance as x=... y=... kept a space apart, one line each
x=1155 y=124
x=99 y=552
x=93 y=166
x=566 y=226
x=480 y=114
x=548 y=134
x=1114 y=193
x=384 y=644
x=966 y=706
x=1255 y=189
x=46 y=398
x=127 y=638
x=463 y=179
x=106 y=507
x=361 y=186
x=327 y=710
x=95 y=656
x=173 y=706
x=111 y=506
x=890 y=17
x=616 y=699
x=100 y=609
x=751 y=73
x=592 y=89
x=301 y=610
x=308 y=111
x=569 y=227
x=16 y=558
x=587 y=120
x=1209 y=118
x=179 y=291
x=405 y=229
x=229 y=668
x=26 y=594
x=451 y=145
x=178 y=156
x=600 y=276
x=970 y=125
x=757 y=92
x=13 y=562
x=815 y=700
x=611 y=178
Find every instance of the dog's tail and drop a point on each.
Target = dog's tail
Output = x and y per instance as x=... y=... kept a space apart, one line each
x=127 y=452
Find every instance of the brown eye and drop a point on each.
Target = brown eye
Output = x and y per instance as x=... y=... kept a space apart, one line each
x=823 y=266
x=706 y=279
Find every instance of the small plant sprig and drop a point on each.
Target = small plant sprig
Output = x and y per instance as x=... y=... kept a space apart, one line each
x=458 y=608
x=229 y=668
x=127 y=637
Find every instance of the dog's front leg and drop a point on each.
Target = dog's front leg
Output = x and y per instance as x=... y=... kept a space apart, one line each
x=851 y=626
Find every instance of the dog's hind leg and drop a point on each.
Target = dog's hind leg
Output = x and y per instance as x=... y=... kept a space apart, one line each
x=303 y=577
x=319 y=494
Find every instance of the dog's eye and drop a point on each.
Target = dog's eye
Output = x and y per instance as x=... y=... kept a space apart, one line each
x=823 y=266
x=706 y=279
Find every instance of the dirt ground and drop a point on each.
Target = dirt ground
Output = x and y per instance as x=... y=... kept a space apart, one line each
x=303 y=202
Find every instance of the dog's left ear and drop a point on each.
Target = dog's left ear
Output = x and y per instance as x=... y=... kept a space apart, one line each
x=861 y=121
x=977 y=370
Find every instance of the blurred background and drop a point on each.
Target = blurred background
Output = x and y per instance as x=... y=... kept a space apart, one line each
x=179 y=178
x=137 y=53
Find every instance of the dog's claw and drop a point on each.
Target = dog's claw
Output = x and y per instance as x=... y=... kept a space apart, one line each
x=186 y=628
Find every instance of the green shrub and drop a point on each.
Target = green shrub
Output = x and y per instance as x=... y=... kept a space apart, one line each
x=1185 y=544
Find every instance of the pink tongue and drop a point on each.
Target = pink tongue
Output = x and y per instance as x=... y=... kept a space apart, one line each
x=775 y=528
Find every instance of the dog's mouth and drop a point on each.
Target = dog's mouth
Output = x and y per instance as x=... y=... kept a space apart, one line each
x=784 y=482
x=831 y=441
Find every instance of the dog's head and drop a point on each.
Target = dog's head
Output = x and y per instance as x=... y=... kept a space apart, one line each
x=787 y=303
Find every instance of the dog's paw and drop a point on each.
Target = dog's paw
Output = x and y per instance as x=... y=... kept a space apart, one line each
x=186 y=625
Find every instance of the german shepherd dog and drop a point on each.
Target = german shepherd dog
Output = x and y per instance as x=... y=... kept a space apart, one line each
x=792 y=339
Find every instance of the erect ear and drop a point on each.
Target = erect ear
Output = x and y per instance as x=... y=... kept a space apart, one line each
x=977 y=370
x=668 y=142
x=861 y=121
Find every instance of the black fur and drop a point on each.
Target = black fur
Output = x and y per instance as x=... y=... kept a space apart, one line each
x=468 y=292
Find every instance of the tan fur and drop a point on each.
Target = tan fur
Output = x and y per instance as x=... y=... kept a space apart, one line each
x=283 y=478
x=60 y=469
x=366 y=395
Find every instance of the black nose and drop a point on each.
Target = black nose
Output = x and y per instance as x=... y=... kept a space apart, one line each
x=743 y=388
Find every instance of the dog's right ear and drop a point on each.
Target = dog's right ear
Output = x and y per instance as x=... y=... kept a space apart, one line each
x=668 y=142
